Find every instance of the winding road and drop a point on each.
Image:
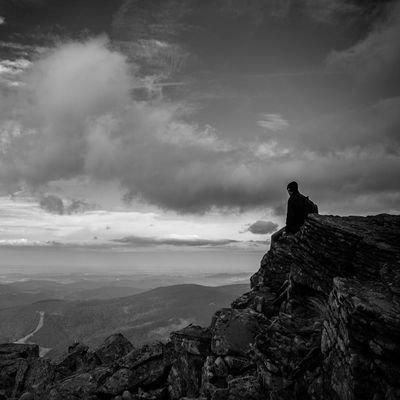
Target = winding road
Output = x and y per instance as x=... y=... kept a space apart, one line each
x=25 y=339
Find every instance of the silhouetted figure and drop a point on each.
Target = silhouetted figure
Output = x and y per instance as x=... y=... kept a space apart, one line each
x=297 y=209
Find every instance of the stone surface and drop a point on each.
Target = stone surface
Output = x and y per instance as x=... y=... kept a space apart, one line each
x=360 y=341
x=192 y=339
x=113 y=348
x=234 y=331
x=78 y=358
x=15 y=361
x=192 y=345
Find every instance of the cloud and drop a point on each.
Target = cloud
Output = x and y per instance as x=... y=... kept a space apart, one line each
x=2 y=20
x=262 y=227
x=56 y=205
x=374 y=62
x=188 y=241
x=272 y=122
x=370 y=129
x=330 y=12
x=76 y=116
x=52 y=204
x=66 y=88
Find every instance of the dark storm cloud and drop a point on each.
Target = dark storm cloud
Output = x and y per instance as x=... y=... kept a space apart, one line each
x=262 y=227
x=154 y=241
x=374 y=62
x=370 y=129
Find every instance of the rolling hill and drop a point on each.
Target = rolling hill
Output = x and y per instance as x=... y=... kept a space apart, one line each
x=143 y=317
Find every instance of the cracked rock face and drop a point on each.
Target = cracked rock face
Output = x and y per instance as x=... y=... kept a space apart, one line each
x=322 y=322
x=361 y=339
x=234 y=331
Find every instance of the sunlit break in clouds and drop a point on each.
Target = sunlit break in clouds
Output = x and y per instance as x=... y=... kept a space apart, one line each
x=193 y=123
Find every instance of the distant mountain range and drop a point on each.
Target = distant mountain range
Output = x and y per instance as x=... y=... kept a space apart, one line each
x=143 y=317
x=30 y=291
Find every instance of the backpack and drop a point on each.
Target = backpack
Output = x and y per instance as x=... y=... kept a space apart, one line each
x=311 y=207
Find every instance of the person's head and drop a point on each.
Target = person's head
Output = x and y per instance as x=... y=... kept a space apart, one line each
x=292 y=187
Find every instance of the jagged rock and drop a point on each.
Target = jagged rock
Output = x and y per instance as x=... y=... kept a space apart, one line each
x=358 y=247
x=234 y=331
x=361 y=342
x=260 y=300
x=245 y=387
x=213 y=381
x=275 y=265
x=38 y=376
x=145 y=368
x=117 y=383
x=288 y=352
x=79 y=385
x=12 y=351
x=113 y=348
x=192 y=339
x=79 y=358
x=191 y=344
x=237 y=365
x=82 y=385
x=15 y=361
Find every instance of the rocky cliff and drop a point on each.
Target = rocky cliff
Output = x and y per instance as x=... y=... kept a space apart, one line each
x=322 y=321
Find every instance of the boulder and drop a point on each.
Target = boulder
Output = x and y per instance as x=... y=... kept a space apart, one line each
x=192 y=339
x=245 y=387
x=113 y=348
x=191 y=346
x=146 y=368
x=234 y=331
x=15 y=360
x=78 y=358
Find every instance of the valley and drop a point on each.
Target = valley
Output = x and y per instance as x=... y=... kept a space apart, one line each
x=90 y=313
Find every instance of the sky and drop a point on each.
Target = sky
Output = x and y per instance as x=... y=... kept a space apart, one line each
x=177 y=125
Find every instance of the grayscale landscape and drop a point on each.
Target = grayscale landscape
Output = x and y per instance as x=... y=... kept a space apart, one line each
x=199 y=199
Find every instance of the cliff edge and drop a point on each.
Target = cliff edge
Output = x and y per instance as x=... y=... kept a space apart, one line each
x=322 y=321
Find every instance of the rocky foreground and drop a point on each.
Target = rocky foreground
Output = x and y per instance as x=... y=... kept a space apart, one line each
x=322 y=321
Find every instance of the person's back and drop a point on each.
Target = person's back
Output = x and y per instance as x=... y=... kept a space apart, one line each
x=296 y=209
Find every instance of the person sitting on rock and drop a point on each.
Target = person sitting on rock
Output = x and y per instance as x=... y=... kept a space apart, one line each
x=297 y=211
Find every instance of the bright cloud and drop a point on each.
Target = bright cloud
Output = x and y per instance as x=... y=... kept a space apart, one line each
x=24 y=222
x=272 y=122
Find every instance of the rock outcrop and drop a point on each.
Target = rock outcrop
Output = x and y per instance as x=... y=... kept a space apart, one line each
x=322 y=321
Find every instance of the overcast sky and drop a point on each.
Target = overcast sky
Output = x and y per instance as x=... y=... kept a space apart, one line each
x=178 y=124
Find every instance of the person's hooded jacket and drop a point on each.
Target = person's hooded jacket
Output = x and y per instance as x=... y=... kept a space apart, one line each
x=296 y=212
